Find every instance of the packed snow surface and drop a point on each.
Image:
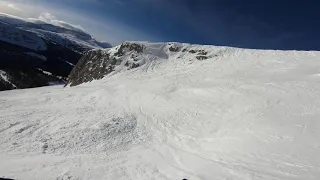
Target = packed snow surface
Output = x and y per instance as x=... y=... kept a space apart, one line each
x=238 y=115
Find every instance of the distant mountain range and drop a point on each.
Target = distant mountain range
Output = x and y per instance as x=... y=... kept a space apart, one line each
x=34 y=53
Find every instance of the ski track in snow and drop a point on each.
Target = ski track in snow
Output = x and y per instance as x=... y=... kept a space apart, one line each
x=243 y=115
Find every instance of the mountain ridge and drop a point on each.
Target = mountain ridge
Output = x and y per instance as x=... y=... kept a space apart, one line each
x=98 y=63
x=32 y=48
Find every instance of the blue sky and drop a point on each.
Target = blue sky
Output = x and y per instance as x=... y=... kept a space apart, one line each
x=266 y=24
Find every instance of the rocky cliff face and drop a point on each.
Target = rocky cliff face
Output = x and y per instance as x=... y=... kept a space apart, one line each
x=96 y=64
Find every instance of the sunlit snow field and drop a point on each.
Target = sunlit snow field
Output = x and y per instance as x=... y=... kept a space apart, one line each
x=240 y=115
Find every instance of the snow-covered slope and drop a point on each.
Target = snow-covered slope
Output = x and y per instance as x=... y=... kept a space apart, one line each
x=19 y=37
x=239 y=114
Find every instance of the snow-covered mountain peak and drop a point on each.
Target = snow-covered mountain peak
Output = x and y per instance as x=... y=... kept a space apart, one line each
x=10 y=19
x=130 y=55
x=19 y=37
x=56 y=31
x=146 y=56
x=15 y=20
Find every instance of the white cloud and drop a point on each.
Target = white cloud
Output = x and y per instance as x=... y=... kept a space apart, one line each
x=46 y=17
x=13 y=7
x=104 y=29
x=19 y=8
x=5 y=6
x=51 y=19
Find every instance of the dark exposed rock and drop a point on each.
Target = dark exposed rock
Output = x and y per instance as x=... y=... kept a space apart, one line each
x=135 y=65
x=93 y=65
x=130 y=47
x=174 y=49
x=184 y=50
x=98 y=63
x=202 y=57
x=202 y=52
x=192 y=51
x=134 y=57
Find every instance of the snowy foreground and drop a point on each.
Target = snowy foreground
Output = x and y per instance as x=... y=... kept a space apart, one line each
x=242 y=115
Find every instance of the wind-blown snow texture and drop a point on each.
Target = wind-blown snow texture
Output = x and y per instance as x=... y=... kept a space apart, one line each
x=240 y=114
